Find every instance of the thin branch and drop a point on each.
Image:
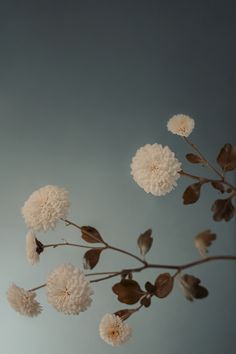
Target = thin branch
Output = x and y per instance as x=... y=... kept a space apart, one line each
x=194 y=147
x=107 y=246
x=54 y=245
x=38 y=287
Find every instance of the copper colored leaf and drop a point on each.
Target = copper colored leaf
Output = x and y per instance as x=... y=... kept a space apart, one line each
x=223 y=209
x=91 y=258
x=145 y=242
x=192 y=193
x=227 y=157
x=194 y=158
x=146 y=301
x=128 y=291
x=164 y=285
x=91 y=235
x=203 y=240
x=192 y=288
x=218 y=185
x=124 y=314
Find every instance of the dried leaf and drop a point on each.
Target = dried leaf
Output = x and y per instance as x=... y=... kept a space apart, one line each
x=91 y=258
x=124 y=314
x=146 y=301
x=194 y=158
x=128 y=291
x=218 y=185
x=151 y=289
x=91 y=235
x=192 y=193
x=223 y=209
x=192 y=288
x=145 y=242
x=227 y=157
x=40 y=246
x=203 y=240
x=164 y=285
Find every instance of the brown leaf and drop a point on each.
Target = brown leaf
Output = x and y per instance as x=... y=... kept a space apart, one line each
x=151 y=289
x=227 y=157
x=128 y=291
x=91 y=235
x=164 y=285
x=223 y=209
x=192 y=288
x=218 y=185
x=200 y=292
x=192 y=193
x=91 y=258
x=194 y=158
x=124 y=314
x=39 y=246
x=145 y=242
x=203 y=240
x=146 y=301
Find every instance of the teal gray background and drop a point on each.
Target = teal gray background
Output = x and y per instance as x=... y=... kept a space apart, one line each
x=83 y=84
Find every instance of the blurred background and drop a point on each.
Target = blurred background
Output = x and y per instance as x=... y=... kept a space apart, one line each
x=84 y=84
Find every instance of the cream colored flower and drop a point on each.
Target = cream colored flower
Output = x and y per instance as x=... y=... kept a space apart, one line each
x=45 y=207
x=113 y=330
x=23 y=301
x=181 y=124
x=68 y=290
x=155 y=169
x=33 y=248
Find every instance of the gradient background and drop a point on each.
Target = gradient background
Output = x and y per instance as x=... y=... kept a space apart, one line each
x=83 y=84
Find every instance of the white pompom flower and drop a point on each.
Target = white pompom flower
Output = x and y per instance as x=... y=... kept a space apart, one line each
x=45 y=207
x=23 y=301
x=155 y=169
x=113 y=330
x=181 y=124
x=68 y=291
x=33 y=248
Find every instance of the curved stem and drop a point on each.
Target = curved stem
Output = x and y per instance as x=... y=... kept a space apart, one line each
x=178 y=268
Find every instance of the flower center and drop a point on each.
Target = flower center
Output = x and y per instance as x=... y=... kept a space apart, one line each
x=114 y=333
x=154 y=168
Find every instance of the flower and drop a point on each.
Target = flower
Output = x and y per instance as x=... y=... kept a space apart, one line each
x=33 y=248
x=155 y=169
x=45 y=207
x=68 y=290
x=23 y=301
x=113 y=330
x=181 y=124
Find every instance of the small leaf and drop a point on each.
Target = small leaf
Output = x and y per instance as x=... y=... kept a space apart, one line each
x=227 y=157
x=91 y=258
x=194 y=158
x=192 y=288
x=128 y=291
x=124 y=314
x=192 y=193
x=40 y=246
x=164 y=285
x=203 y=240
x=145 y=242
x=146 y=301
x=218 y=185
x=91 y=235
x=223 y=209
x=150 y=288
